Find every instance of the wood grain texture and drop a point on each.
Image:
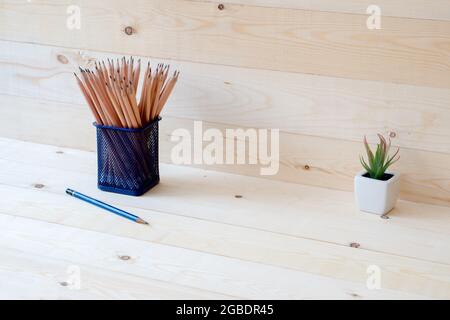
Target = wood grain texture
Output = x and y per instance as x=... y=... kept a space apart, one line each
x=175 y=265
x=226 y=229
x=316 y=257
x=408 y=51
x=304 y=159
x=332 y=163
x=420 y=9
x=295 y=103
x=27 y=275
x=293 y=210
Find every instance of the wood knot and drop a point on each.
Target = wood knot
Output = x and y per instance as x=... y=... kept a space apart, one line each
x=125 y=258
x=392 y=134
x=307 y=167
x=129 y=30
x=355 y=245
x=221 y=6
x=38 y=185
x=64 y=284
x=62 y=58
x=385 y=217
x=238 y=196
x=59 y=152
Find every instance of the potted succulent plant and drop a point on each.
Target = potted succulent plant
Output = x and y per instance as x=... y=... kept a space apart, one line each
x=377 y=189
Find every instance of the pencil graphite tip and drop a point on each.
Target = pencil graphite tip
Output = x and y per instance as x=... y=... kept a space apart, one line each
x=139 y=220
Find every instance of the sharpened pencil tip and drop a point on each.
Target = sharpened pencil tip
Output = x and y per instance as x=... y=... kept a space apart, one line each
x=139 y=220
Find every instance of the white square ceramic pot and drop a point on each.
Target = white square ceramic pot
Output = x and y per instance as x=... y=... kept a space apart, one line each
x=377 y=196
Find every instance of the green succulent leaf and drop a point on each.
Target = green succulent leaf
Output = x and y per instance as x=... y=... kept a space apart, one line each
x=364 y=164
x=379 y=162
x=369 y=152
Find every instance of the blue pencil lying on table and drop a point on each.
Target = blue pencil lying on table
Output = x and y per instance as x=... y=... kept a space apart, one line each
x=106 y=206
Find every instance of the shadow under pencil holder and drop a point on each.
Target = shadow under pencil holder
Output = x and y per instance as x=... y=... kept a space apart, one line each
x=128 y=158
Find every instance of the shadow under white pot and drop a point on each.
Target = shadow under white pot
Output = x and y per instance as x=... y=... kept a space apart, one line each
x=377 y=196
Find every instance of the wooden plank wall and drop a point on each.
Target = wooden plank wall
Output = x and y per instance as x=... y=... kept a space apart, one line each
x=310 y=68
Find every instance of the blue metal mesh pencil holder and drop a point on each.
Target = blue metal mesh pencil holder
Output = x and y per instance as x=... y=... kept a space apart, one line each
x=127 y=159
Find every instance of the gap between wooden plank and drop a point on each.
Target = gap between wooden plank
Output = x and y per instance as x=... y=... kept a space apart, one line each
x=246 y=228
x=244 y=231
x=310 y=42
x=413 y=9
x=87 y=180
x=296 y=103
x=180 y=266
x=424 y=174
x=290 y=252
x=343 y=202
x=25 y=275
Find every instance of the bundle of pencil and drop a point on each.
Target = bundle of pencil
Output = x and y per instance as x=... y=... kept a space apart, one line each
x=111 y=92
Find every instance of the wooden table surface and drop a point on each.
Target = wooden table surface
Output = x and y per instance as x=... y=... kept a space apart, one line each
x=212 y=236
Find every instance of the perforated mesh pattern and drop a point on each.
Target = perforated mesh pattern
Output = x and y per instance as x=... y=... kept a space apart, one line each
x=128 y=159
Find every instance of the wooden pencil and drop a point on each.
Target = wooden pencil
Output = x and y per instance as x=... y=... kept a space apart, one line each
x=111 y=91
